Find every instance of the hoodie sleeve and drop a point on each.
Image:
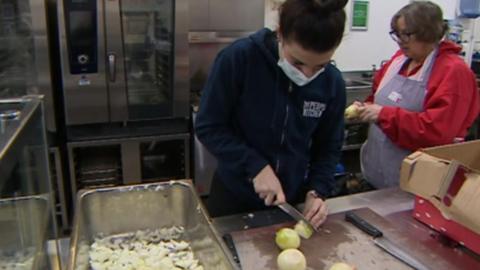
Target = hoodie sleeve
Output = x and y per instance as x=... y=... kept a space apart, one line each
x=214 y=125
x=327 y=144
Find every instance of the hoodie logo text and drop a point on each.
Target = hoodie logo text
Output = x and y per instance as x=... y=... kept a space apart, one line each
x=313 y=109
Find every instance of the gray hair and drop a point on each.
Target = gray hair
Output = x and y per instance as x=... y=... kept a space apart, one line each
x=424 y=19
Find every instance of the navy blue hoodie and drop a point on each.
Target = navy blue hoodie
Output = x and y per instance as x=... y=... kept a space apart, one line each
x=252 y=115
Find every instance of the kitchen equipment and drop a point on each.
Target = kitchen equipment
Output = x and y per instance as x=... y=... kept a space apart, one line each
x=24 y=53
x=338 y=240
x=113 y=162
x=124 y=61
x=26 y=195
x=384 y=242
x=125 y=209
x=227 y=238
x=292 y=212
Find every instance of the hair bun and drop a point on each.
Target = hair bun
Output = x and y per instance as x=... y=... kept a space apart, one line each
x=330 y=5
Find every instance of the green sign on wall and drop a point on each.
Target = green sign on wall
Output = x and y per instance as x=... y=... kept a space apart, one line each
x=360 y=15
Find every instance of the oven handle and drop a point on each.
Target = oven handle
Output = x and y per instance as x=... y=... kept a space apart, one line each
x=112 y=63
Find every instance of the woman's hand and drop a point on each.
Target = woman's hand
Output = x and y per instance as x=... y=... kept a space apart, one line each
x=315 y=210
x=268 y=187
x=369 y=112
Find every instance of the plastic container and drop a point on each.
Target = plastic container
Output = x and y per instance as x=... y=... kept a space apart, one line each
x=470 y=8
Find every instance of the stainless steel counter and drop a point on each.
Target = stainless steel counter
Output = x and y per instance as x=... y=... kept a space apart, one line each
x=385 y=202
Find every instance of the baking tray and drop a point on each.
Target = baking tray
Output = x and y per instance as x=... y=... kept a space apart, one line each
x=118 y=210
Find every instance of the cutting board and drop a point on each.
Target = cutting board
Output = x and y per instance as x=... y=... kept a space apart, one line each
x=337 y=241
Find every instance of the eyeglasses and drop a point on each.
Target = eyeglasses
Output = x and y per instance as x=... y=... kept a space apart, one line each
x=400 y=37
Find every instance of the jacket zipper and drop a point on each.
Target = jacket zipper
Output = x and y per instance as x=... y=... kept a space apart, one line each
x=284 y=128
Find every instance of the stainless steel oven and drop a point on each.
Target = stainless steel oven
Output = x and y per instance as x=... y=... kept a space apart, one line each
x=124 y=60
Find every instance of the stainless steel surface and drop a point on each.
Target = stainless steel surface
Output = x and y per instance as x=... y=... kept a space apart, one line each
x=198 y=15
x=26 y=195
x=28 y=107
x=204 y=47
x=131 y=162
x=392 y=204
x=57 y=175
x=117 y=86
x=23 y=223
x=102 y=211
x=292 y=212
x=143 y=63
x=85 y=96
x=383 y=202
x=181 y=83
x=216 y=37
x=24 y=53
x=112 y=71
x=214 y=24
x=220 y=15
x=358 y=88
x=122 y=161
x=230 y=15
x=397 y=252
x=42 y=61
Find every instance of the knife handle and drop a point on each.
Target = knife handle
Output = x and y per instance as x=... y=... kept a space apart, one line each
x=363 y=224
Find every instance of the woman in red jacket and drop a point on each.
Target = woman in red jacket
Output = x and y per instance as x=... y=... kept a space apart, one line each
x=424 y=96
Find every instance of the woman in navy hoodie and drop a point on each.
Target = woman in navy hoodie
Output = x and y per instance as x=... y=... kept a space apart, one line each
x=272 y=113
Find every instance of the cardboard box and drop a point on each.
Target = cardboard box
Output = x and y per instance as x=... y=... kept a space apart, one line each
x=449 y=178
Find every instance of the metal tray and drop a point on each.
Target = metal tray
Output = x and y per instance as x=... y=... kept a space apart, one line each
x=117 y=210
x=24 y=232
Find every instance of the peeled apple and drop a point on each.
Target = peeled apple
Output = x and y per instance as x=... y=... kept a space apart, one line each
x=303 y=229
x=351 y=111
x=341 y=266
x=291 y=259
x=287 y=238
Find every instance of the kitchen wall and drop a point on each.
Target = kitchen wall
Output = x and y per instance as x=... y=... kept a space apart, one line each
x=361 y=49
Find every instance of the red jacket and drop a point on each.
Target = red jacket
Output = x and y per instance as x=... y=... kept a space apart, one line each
x=450 y=107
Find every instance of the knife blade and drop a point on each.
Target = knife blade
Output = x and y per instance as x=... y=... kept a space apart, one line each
x=383 y=242
x=295 y=214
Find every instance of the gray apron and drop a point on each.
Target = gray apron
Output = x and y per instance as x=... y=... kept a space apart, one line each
x=380 y=158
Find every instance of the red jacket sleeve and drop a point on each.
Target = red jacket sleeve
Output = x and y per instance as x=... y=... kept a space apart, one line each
x=450 y=107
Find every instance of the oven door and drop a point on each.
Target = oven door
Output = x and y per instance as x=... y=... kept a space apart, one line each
x=124 y=60
x=154 y=42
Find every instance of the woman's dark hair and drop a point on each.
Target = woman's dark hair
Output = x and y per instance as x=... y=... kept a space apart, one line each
x=316 y=25
x=423 y=19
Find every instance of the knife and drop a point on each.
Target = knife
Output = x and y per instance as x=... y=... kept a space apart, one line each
x=228 y=239
x=381 y=241
x=291 y=211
